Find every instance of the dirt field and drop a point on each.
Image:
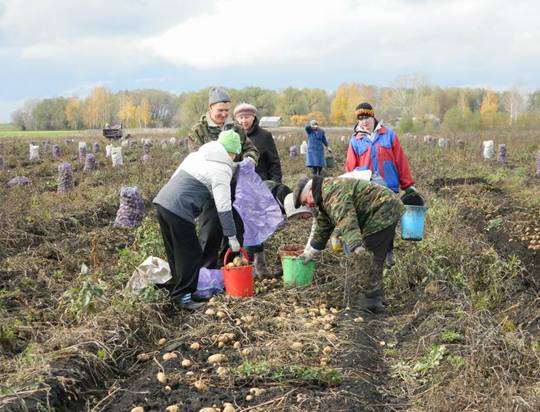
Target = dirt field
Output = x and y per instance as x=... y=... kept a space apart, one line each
x=461 y=332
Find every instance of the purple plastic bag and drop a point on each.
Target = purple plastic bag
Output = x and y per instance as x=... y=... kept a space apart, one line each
x=210 y=282
x=256 y=206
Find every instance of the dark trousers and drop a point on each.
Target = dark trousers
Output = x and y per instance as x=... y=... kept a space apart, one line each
x=213 y=243
x=183 y=252
x=316 y=170
x=379 y=243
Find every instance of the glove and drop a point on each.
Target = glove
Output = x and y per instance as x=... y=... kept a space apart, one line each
x=234 y=244
x=358 y=250
x=309 y=254
x=329 y=150
x=410 y=190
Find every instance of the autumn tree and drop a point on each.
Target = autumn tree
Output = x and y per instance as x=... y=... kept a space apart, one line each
x=97 y=108
x=291 y=101
x=142 y=113
x=489 y=109
x=128 y=113
x=347 y=97
x=73 y=112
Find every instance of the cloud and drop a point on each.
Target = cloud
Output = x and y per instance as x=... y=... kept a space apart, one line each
x=384 y=36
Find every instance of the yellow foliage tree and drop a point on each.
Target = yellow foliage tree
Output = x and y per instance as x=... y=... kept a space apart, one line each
x=299 y=119
x=97 y=107
x=143 y=113
x=319 y=116
x=489 y=108
x=128 y=113
x=347 y=97
x=73 y=113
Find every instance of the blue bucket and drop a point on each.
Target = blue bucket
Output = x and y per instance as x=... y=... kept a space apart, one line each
x=412 y=222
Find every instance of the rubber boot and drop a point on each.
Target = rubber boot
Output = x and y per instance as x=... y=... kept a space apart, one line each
x=372 y=299
x=259 y=264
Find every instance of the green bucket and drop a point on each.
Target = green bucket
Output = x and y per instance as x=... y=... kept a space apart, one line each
x=295 y=273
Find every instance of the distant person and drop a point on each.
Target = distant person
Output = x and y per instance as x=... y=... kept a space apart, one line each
x=268 y=166
x=374 y=146
x=216 y=120
x=366 y=214
x=315 y=147
x=203 y=176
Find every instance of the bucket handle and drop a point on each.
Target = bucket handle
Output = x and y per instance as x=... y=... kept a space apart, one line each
x=229 y=250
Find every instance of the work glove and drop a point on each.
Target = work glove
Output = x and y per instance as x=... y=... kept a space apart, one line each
x=329 y=150
x=410 y=190
x=309 y=254
x=358 y=250
x=234 y=244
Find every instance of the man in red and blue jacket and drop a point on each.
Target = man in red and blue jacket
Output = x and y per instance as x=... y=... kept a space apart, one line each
x=376 y=147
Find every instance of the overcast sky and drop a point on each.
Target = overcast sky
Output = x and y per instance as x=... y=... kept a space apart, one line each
x=54 y=48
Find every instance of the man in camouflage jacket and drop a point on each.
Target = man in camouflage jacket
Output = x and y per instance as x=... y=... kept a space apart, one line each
x=364 y=212
x=213 y=242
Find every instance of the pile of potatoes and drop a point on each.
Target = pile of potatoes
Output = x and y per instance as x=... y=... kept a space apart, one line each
x=237 y=262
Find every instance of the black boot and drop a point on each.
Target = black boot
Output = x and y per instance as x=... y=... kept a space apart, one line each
x=371 y=301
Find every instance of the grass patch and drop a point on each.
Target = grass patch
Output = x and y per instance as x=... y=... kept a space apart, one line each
x=322 y=376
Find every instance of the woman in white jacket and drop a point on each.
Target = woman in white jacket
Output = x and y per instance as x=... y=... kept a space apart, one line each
x=203 y=175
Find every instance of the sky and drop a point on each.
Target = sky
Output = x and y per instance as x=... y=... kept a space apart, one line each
x=51 y=48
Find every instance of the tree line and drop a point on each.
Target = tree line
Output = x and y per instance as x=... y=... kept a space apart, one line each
x=410 y=104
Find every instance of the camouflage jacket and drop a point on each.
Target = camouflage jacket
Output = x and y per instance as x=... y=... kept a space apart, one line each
x=202 y=132
x=356 y=207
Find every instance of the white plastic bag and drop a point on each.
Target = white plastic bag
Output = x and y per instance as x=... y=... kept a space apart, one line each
x=116 y=156
x=303 y=147
x=488 y=149
x=82 y=145
x=34 y=152
x=153 y=271
x=108 y=150
x=358 y=174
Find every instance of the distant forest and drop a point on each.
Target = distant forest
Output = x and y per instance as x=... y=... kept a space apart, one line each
x=410 y=103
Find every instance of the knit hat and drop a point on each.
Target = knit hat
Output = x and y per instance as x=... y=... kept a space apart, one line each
x=218 y=95
x=365 y=109
x=230 y=141
x=245 y=108
x=298 y=188
x=314 y=123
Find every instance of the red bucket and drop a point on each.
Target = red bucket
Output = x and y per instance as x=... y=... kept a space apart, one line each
x=238 y=280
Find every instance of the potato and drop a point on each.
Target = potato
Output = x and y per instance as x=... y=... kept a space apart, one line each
x=327 y=350
x=207 y=409
x=186 y=363
x=230 y=265
x=210 y=312
x=161 y=377
x=172 y=408
x=221 y=371
x=217 y=358
x=143 y=357
x=195 y=346
x=297 y=346
x=138 y=409
x=200 y=386
x=228 y=407
x=245 y=262
x=169 y=356
x=249 y=398
x=237 y=261
x=162 y=341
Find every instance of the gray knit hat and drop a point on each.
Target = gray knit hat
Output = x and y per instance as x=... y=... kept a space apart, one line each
x=245 y=108
x=218 y=95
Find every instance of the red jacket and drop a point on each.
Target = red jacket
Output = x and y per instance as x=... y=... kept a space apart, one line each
x=384 y=155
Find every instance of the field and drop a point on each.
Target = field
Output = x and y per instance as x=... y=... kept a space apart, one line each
x=461 y=332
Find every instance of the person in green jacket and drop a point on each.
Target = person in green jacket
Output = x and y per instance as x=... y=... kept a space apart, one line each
x=211 y=124
x=365 y=213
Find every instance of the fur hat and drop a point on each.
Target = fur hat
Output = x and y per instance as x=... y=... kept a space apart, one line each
x=218 y=95
x=365 y=109
x=245 y=108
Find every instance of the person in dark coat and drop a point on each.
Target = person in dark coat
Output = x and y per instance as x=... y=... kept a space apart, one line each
x=268 y=167
x=315 y=150
x=269 y=164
